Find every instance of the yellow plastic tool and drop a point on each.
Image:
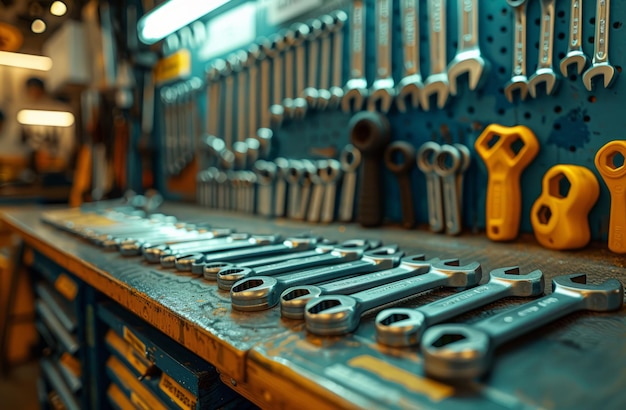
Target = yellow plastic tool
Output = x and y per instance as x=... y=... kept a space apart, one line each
x=506 y=151
x=610 y=164
x=560 y=215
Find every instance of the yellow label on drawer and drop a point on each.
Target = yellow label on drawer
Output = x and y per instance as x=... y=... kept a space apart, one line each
x=71 y=363
x=125 y=350
x=66 y=287
x=143 y=398
x=181 y=396
x=138 y=401
x=134 y=341
x=175 y=66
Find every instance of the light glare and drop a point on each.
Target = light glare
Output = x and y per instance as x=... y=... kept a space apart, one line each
x=27 y=61
x=38 y=26
x=47 y=118
x=58 y=8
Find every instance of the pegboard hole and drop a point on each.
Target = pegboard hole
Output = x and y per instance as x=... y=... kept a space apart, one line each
x=504 y=11
x=618 y=68
x=470 y=110
x=527 y=115
x=501 y=70
x=557 y=126
x=572 y=148
x=586 y=118
x=501 y=111
x=493 y=141
x=591 y=39
x=490 y=17
x=560 y=36
x=617 y=25
x=429 y=125
x=503 y=50
x=573 y=77
x=592 y=99
x=558 y=109
x=560 y=14
x=592 y=20
x=561 y=55
x=489 y=39
x=503 y=29
x=615 y=161
x=516 y=146
x=537 y=22
x=559 y=186
x=544 y=214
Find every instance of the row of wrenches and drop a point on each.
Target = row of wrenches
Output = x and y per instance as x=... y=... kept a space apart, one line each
x=331 y=286
x=545 y=74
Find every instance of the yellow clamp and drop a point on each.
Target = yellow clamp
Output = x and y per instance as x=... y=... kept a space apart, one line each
x=610 y=163
x=506 y=152
x=560 y=215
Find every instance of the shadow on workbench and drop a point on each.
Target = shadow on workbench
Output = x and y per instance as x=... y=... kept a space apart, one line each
x=18 y=389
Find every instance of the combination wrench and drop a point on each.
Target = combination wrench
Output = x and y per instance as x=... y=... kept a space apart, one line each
x=600 y=65
x=451 y=173
x=329 y=175
x=437 y=81
x=294 y=299
x=347 y=251
x=545 y=73
x=518 y=82
x=254 y=56
x=350 y=160
x=152 y=253
x=411 y=84
x=575 y=54
x=434 y=196
x=280 y=188
x=461 y=352
x=263 y=292
x=323 y=88
x=310 y=93
x=266 y=174
x=336 y=91
x=341 y=314
x=468 y=58
x=355 y=91
x=383 y=92
x=159 y=253
x=404 y=327
x=399 y=159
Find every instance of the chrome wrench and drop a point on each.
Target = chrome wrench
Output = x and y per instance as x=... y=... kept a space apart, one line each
x=545 y=73
x=519 y=81
x=575 y=54
x=350 y=161
x=600 y=65
x=336 y=90
x=411 y=85
x=451 y=174
x=437 y=81
x=383 y=89
x=355 y=90
x=425 y=157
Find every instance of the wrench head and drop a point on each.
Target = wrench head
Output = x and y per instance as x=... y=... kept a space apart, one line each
x=530 y=284
x=381 y=96
x=576 y=58
x=332 y=315
x=436 y=84
x=471 y=63
x=369 y=132
x=183 y=262
x=607 y=296
x=311 y=96
x=604 y=70
x=518 y=83
x=210 y=270
x=277 y=114
x=459 y=276
x=400 y=327
x=130 y=248
x=355 y=93
x=288 y=108
x=230 y=275
x=254 y=294
x=409 y=89
x=542 y=76
x=152 y=254
x=399 y=157
x=294 y=300
x=455 y=352
x=323 y=99
x=336 y=95
x=300 y=108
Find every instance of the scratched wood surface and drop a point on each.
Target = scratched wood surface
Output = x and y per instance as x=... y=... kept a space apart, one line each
x=577 y=362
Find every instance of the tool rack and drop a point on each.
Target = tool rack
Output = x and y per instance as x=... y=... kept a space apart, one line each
x=275 y=363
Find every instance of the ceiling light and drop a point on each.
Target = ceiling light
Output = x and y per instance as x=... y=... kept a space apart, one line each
x=28 y=61
x=38 y=26
x=171 y=16
x=47 y=118
x=58 y=8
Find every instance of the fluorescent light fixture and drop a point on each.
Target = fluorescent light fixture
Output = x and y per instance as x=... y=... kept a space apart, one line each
x=58 y=8
x=28 y=61
x=38 y=26
x=172 y=16
x=48 y=118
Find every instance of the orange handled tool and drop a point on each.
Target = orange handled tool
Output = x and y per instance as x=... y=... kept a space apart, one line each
x=506 y=151
x=610 y=164
x=560 y=215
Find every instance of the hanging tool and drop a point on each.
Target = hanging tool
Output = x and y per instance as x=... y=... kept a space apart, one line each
x=600 y=65
x=610 y=164
x=399 y=157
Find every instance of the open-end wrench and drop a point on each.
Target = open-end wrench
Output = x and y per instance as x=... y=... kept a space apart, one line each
x=329 y=175
x=404 y=327
x=183 y=261
x=325 y=54
x=468 y=58
x=152 y=253
x=519 y=81
x=434 y=196
x=411 y=85
x=294 y=299
x=263 y=292
x=309 y=174
x=289 y=39
x=461 y=352
x=242 y=116
x=214 y=74
x=232 y=66
x=347 y=251
x=350 y=161
x=266 y=174
x=545 y=73
x=399 y=159
x=341 y=314
x=254 y=55
x=437 y=81
x=301 y=32
x=278 y=70
x=336 y=91
x=293 y=176
x=370 y=134
x=310 y=93
x=600 y=65
x=575 y=54
x=314 y=210
x=280 y=193
x=383 y=89
x=450 y=164
x=265 y=98
x=355 y=90
x=265 y=136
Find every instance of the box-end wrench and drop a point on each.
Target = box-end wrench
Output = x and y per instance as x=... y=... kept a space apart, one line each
x=437 y=81
x=330 y=175
x=134 y=246
x=383 y=91
x=346 y=251
x=434 y=197
x=263 y=292
x=575 y=54
x=545 y=73
x=314 y=211
x=355 y=90
x=518 y=82
x=468 y=58
x=404 y=327
x=265 y=136
x=600 y=65
x=350 y=160
x=266 y=174
x=341 y=314
x=152 y=253
x=450 y=164
x=462 y=352
x=370 y=134
x=336 y=91
x=294 y=299
x=309 y=174
x=399 y=159
x=293 y=176
x=411 y=85
x=183 y=261
x=280 y=194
